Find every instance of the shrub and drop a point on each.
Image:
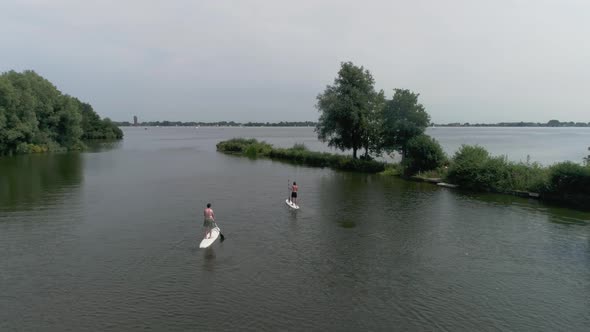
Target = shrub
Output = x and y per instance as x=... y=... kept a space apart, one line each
x=392 y=170
x=473 y=168
x=423 y=153
x=569 y=177
x=23 y=148
x=251 y=151
x=528 y=177
x=570 y=183
x=250 y=147
x=299 y=147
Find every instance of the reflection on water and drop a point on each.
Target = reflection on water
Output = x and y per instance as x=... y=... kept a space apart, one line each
x=102 y=145
x=30 y=179
x=556 y=212
x=36 y=180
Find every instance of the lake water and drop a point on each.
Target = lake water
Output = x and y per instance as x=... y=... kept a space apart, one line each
x=108 y=241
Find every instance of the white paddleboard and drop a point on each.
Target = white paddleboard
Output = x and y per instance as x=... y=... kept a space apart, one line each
x=209 y=241
x=292 y=205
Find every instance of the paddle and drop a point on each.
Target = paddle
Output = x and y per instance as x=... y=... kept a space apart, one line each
x=220 y=235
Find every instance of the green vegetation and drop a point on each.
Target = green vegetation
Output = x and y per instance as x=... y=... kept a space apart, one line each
x=473 y=168
x=244 y=146
x=354 y=116
x=403 y=119
x=423 y=154
x=298 y=154
x=36 y=117
x=568 y=182
x=350 y=111
x=393 y=170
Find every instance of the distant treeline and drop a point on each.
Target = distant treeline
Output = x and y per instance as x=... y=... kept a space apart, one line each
x=218 y=124
x=36 y=117
x=551 y=123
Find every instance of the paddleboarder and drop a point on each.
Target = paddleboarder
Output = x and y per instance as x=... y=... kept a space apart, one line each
x=209 y=220
x=294 y=188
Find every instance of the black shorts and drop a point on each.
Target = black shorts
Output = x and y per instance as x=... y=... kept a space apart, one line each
x=294 y=194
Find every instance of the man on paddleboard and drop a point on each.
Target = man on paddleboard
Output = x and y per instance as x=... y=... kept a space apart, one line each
x=209 y=220
x=294 y=189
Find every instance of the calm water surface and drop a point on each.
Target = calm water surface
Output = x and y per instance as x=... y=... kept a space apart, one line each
x=107 y=240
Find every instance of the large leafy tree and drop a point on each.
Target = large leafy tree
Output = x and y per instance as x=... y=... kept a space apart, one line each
x=403 y=119
x=349 y=110
x=18 y=103
x=372 y=140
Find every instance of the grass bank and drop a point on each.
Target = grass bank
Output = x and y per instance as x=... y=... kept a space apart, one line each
x=298 y=154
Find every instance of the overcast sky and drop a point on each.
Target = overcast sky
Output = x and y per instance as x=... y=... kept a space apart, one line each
x=471 y=61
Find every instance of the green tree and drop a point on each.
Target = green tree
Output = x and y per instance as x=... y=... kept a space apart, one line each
x=69 y=130
x=423 y=153
x=19 y=103
x=35 y=116
x=403 y=119
x=95 y=128
x=554 y=123
x=372 y=138
x=349 y=110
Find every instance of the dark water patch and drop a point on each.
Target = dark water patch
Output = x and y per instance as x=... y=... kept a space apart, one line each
x=347 y=224
x=35 y=181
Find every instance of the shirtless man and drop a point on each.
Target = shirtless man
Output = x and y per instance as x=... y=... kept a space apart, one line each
x=209 y=220
x=294 y=189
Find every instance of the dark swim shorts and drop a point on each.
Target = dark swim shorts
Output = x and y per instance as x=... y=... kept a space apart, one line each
x=209 y=223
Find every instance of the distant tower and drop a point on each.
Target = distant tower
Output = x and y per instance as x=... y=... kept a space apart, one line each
x=135 y=120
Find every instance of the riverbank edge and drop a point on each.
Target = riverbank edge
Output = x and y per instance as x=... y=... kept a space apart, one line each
x=440 y=182
x=82 y=146
x=299 y=155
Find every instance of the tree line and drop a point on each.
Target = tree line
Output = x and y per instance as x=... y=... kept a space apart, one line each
x=218 y=124
x=550 y=123
x=36 y=117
